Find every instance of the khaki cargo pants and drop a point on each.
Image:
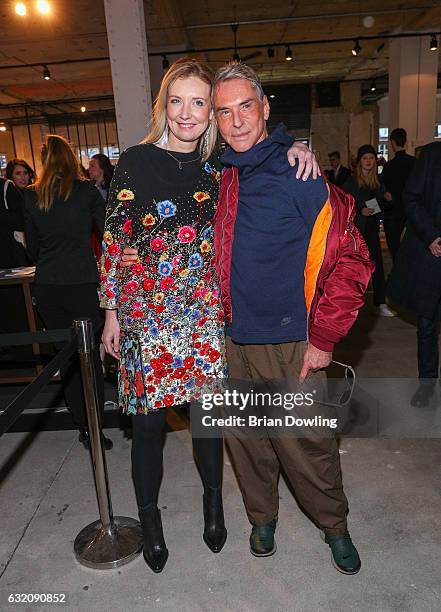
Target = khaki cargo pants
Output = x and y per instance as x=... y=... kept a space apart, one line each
x=312 y=466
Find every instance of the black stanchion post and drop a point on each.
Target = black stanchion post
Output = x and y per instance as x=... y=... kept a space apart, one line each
x=111 y=541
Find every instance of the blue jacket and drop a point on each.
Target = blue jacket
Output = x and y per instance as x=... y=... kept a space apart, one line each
x=275 y=217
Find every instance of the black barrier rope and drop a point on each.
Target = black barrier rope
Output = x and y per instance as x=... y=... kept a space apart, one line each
x=16 y=407
x=39 y=337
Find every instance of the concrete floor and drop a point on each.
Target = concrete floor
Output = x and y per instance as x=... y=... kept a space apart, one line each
x=393 y=486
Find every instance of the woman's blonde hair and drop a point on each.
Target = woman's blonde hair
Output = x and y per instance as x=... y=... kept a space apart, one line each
x=370 y=181
x=182 y=69
x=60 y=169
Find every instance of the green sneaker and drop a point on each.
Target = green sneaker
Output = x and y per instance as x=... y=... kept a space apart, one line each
x=262 y=542
x=345 y=557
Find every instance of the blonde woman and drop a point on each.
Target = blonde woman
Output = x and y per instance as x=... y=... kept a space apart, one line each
x=371 y=199
x=60 y=211
x=163 y=313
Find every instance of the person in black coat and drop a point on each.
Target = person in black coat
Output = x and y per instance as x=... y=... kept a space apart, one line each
x=60 y=210
x=415 y=282
x=394 y=176
x=368 y=190
x=338 y=173
x=12 y=252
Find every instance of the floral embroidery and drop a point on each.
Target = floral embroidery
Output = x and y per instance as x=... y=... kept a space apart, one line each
x=186 y=234
x=195 y=262
x=125 y=194
x=148 y=220
x=127 y=227
x=148 y=284
x=201 y=196
x=205 y=246
x=113 y=249
x=167 y=282
x=107 y=237
x=164 y=268
x=166 y=208
x=158 y=244
x=172 y=339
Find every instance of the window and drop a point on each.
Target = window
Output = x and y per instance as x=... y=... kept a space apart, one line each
x=113 y=153
x=383 y=133
x=438 y=130
x=3 y=160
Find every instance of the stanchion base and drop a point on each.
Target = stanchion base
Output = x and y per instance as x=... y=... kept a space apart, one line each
x=101 y=548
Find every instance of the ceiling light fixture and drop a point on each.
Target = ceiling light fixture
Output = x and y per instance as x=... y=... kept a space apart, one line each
x=3 y=127
x=272 y=96
x=236 y=56
x=20 y=9
x=83 y=109
x=356 y=48
x=165 y=63
x=46 y=73
x=373 y=86
x=43 y=7
x=433 y=43
x=288 y=54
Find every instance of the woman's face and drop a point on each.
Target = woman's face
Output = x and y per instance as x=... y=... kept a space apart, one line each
x=20 y=177
x=95 y=172
x=188 y=111
x=368 y=162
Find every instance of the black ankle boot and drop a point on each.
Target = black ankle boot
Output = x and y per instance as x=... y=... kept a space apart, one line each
x=215 y=533
x=155 y=551
x=83 y=437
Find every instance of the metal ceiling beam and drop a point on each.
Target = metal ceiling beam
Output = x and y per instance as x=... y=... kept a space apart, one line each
x=262 y=45
x=51 y=102
x=310 y=17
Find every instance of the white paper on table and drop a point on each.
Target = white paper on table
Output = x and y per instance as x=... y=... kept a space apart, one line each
x=373 y=204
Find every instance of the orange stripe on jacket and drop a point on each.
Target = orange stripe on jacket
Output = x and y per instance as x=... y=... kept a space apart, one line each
x=316 y=251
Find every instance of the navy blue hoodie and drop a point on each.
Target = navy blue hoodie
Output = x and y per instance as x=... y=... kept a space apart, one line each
x=275 y=217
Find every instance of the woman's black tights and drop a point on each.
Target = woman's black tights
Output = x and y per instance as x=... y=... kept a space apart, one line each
x=147 y=443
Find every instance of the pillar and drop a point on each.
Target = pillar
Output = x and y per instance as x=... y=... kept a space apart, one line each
x=126 y=34
x=413 y=75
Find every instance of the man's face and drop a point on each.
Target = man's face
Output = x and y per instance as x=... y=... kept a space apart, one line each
x=393 y=145
x=334 y=161
x=241 y=116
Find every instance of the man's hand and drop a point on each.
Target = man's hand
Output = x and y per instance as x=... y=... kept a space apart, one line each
x=307 y=161
x=435 y=247
x=388 y=196
x=130 y=257
x=366 y=212
x=110 y=337
x=314 y=360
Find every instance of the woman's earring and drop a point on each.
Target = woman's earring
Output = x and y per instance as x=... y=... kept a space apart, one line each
x=204 y=142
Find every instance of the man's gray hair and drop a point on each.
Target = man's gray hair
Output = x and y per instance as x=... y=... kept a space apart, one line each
x=239 y=70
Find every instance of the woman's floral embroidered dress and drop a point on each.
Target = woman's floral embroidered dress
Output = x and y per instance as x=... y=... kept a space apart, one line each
x=172 y=338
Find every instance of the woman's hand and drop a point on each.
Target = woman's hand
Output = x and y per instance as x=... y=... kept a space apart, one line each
x=129 y=257
x=367 y=212
x=110 y=337
x=435 y=247
x=307 y=161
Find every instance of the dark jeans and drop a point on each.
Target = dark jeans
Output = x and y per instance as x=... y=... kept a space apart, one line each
x=58 y=306
x=428 y=352
x=372 y=239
